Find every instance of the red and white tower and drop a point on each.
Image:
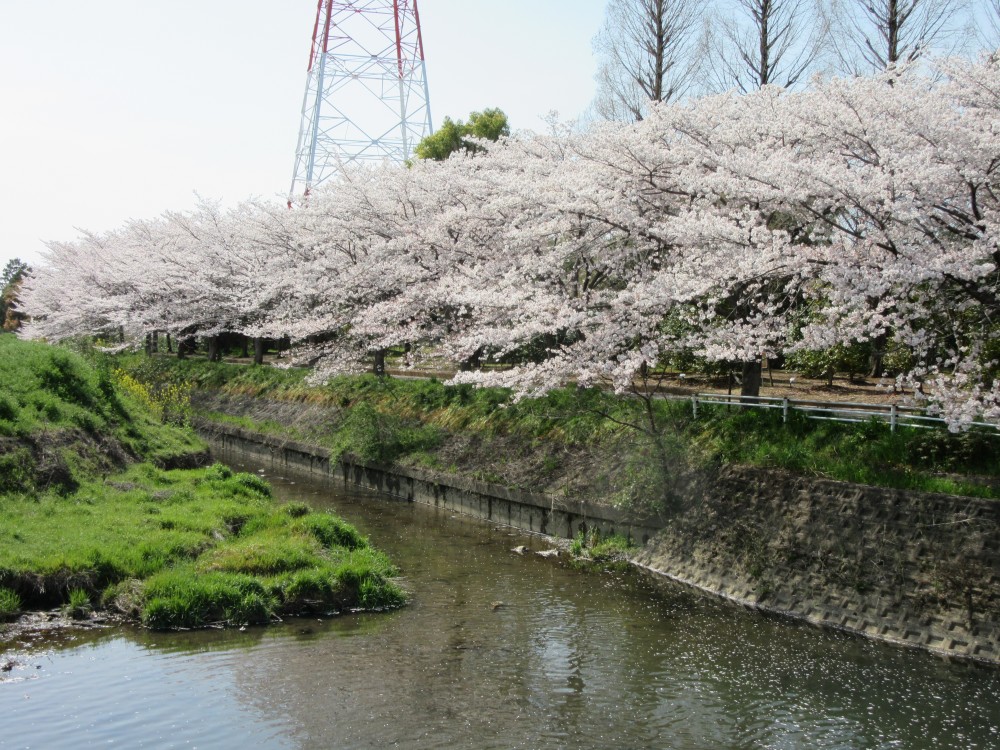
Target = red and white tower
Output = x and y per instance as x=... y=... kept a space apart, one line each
x=366 y=94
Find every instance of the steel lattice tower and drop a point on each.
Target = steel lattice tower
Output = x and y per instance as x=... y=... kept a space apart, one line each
x=366 y=96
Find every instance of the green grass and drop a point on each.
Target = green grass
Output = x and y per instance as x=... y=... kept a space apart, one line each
x=184 y=548
x=94 y=513
x=78 y=604
x=63 y=418
x=590 y=550
x=868 y=453
x=10 y=604
x=390 y=419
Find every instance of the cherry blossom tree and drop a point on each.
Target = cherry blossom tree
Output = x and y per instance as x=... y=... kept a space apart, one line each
x=729 y=227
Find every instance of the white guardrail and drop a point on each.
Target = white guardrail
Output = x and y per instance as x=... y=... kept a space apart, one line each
x=834 y=411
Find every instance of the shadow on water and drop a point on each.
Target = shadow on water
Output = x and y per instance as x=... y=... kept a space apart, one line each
x=497 y=650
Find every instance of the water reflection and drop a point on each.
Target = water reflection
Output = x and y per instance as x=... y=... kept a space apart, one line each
x=499 y=650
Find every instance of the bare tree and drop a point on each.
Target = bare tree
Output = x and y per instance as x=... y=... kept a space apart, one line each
x=765 y=42
x=647 y=54
x=872 y=35
x=989 y=30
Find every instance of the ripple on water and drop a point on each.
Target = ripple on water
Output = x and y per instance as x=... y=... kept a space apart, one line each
x=568 y=660
x=118 y=692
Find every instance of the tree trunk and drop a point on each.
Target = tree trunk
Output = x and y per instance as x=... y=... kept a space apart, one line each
x=246 y=344
x=875 y=366
x=258 y=350
x=170 y=346
x=149 y=344
x=474 y=362
x=379 y=367
x=213 y=349
x=752 y=377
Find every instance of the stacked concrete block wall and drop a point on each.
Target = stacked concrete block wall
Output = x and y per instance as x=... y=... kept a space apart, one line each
x=917 y=569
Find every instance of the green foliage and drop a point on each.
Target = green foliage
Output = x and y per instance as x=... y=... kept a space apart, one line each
x=443 y=142
x=490 y=124
x=218 y=472
x=973 y=451
x=268 y=552
x=372 y=435
x=168 y=401
x=10 y=604
x=591 y=549
x=898 y=358
x=378 y=594
x=8 y=408
x=11 y=277
x=867 y=453
x=62 y=409
x=311 y=588
x=824 y=363
x=296 y=510
x=643 y=482
x=14 y=269
x=17 y=470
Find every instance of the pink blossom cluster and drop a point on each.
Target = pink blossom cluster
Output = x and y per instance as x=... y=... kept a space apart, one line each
x=729 y=227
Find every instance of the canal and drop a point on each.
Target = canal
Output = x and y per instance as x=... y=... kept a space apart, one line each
x=496 y=650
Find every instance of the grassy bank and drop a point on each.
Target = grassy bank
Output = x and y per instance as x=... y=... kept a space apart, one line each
x=577 y=441
x=94 y=512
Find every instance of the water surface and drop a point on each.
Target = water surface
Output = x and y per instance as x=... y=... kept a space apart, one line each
x=496 y=650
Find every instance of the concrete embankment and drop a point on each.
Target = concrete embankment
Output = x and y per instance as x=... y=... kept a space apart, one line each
x=535 y=512
x=916 y=569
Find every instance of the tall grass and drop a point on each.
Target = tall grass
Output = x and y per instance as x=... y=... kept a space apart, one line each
x=10 y=604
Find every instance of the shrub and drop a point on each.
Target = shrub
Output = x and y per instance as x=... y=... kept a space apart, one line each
x=373 y=436
x=8 y=408
x=169 y=401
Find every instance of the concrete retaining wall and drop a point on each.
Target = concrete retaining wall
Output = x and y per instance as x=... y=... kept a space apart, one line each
x=916 y=569
x=534 y=512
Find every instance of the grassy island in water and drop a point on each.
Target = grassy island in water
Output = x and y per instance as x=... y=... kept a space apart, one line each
x=101 y=508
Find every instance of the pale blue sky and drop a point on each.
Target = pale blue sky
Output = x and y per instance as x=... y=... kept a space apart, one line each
x=111 y=109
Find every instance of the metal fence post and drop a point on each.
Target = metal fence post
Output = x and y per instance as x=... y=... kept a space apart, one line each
x=893 y=417
x=784 y=411
x=694 y=405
